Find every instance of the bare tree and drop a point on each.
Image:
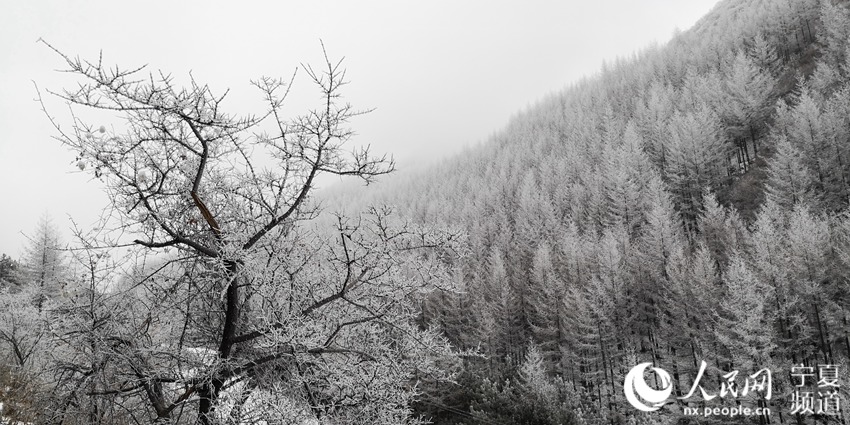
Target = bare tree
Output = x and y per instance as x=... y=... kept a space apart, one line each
x=257 y=303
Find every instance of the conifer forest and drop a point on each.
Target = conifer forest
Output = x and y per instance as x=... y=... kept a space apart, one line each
x=666 y=242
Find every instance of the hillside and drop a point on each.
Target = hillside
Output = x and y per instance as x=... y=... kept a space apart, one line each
x=687 y=204
x=665 y=242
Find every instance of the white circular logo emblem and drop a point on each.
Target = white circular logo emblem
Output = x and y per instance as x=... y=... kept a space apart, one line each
x=652 y=399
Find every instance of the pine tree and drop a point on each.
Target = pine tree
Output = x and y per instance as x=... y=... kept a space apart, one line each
x=9 y=271
x=836 y=31
x=652 y=115
x=701 y=90
x=805 y=131
x=712 y=228
x=747 y=88
x=763 y=54
x=661 y=237
x=43 y=264
x=546 y=292
x=789 y=179
x=509 y=322
x=584 y=319
x=768 y=254
x=687 y=328
x=626 y=173
x=836 y=132
x=808 y=260
x=698 y=152
x=743 y=318
x=841 y=244
x=534 y=377
x=823 y=81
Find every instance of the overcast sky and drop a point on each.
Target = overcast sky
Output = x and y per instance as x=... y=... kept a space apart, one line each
x=441 y=74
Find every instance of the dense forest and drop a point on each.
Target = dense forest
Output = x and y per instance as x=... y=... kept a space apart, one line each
x=685 y=204
x=686 y=207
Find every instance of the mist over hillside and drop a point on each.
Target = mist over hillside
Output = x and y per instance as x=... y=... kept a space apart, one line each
x=685 y=207
x=665 y=242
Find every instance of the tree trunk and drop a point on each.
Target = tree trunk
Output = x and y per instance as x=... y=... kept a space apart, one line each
x=209 y=392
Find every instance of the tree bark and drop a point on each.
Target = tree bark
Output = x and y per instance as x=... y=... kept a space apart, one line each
x=209 y=392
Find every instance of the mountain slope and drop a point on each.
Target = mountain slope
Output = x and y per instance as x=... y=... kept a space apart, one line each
x=687 y=204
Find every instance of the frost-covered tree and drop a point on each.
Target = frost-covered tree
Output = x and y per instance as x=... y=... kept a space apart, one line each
x=652 y=115
x=809 y=260
x=9 y=271
x=21 y=326
x=626 y=174
x=823 y=80
x=764 y=54
x=259 y=296
x=747 y=87
x=43 y=257
x=767 y=252
x=805 y=131
x=546 y=293
x=836 y=31
x=741 y=319
x=24 y=345
x=790 y=181
x=510 y=320
x=698 y=152
x=721 y=230
x=836 y=130
x=28 y=290
x=688 y=326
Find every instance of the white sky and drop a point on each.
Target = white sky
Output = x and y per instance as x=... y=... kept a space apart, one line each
x=442 y=74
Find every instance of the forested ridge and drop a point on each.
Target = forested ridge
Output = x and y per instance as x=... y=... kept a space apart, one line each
x=688 y=203
x=685 y=207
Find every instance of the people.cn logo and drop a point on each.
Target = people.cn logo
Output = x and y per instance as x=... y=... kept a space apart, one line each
x=650 y=399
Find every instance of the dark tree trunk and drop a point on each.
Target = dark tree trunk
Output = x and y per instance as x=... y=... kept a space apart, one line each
x=209 y=392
